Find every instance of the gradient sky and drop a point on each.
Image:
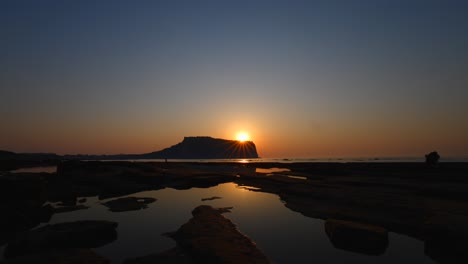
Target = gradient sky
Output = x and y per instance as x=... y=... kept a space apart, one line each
x=303 y=78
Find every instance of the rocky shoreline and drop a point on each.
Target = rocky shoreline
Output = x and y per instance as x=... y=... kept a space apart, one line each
x=366 y=200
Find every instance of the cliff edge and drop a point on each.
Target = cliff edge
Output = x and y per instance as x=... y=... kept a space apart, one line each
x=206 y=148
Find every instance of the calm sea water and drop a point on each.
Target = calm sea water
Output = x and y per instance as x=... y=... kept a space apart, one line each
x=283 y=235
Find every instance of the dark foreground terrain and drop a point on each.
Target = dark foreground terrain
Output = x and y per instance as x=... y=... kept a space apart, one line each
x=361 y=203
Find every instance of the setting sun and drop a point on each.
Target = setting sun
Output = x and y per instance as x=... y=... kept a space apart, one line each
x=242 y=136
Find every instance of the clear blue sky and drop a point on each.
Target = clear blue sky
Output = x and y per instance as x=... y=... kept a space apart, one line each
x=303 y=78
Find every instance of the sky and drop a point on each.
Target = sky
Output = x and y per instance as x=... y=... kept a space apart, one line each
x=312 y=79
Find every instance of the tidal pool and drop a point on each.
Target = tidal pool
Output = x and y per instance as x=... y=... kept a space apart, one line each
x=283 y=235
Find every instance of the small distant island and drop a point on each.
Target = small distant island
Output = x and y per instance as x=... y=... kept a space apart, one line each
x=201 y=147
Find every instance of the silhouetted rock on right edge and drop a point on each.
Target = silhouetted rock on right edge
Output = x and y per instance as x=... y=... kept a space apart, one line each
x=206 y=148
x=357 y=237
x=432 y=158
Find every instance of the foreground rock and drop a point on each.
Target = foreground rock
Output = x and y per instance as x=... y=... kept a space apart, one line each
x=79 y=234
x=104 y=179
x=209 y=237
x=357 y=237
x=172 y=256
x=446 y=238
x=129 y=204
x=64 y=256
x=22 y=196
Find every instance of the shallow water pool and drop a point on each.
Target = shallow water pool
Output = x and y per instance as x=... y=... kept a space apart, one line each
x=283 y=235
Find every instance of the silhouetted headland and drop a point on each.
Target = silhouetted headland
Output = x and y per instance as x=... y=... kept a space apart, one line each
x=189 y=148
x=206 y=148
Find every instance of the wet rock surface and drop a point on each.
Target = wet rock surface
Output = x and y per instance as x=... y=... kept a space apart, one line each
x=446 y=238
x=357 y=237
x=172 y=256
x=103 y=179
x=63 y=256
x=79 y=234
x=22 y=198
x=209 y=237
x=129 y=204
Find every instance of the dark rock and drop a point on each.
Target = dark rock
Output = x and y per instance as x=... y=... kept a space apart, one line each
x=128 y=204
x=11 y=161
x=71 y=208
x=22 y=196
x=82 y=200
x=357 y=237
x=446 y=237
x=172 y=256
x=103 y=179
x=209 y=237
x=23 y=186
x=432 y=158
x=223 y=210
x=63 y=256
x=211 y=198
x=79 y=234
x=20 y=216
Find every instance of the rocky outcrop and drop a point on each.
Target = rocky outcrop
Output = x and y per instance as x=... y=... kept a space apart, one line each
x=105 y=179
x=209 y=237
x=432 y=158
x=172 y=256
x=79 y=234
x=63 y=256
x=446 y=237
x=211 y=198
x=129 y=204
x=206 y=148
x=22 y=197
x=357 y=237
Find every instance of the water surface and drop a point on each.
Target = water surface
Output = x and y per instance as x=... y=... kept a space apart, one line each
x=283 y=235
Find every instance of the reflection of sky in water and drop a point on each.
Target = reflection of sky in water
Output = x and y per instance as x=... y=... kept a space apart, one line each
x=285 y=236
x=271 y=170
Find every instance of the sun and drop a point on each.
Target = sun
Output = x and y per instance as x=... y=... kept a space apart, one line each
x=242 y=136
